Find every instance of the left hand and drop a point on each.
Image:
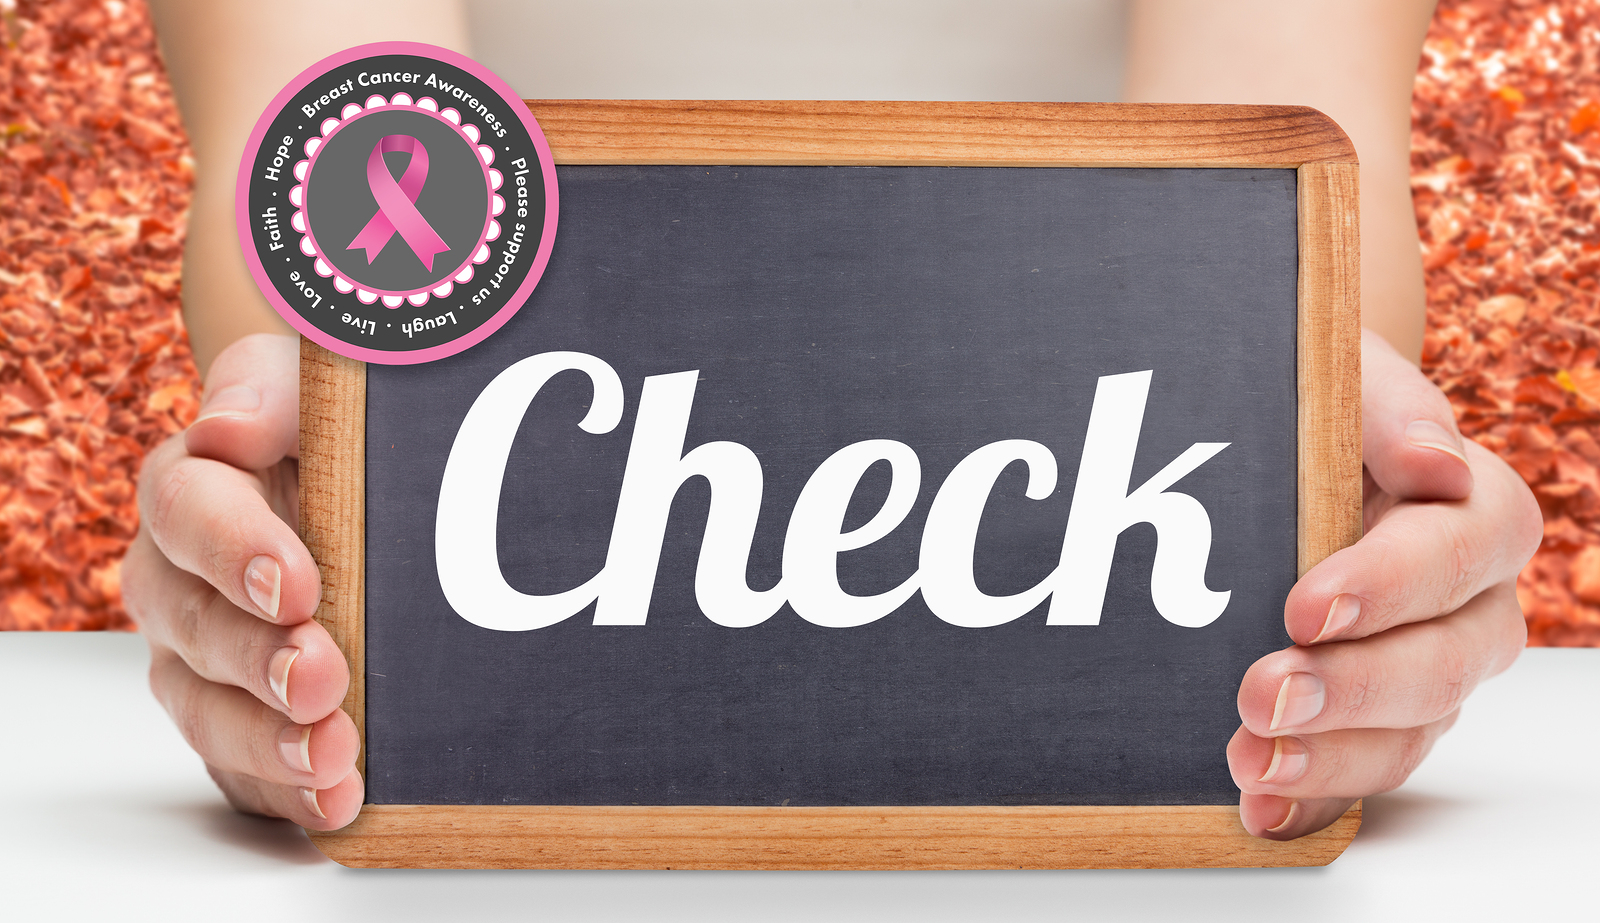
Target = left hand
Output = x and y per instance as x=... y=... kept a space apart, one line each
x=224 y=592
x=1395 y=631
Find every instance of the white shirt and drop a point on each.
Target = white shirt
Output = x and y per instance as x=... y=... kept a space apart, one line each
x=815 y=49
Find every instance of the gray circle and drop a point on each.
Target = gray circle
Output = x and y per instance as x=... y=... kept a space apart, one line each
x=339 y=202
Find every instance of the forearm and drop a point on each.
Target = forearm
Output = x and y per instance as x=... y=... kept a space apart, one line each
x=227 y=59
x=1355 y=60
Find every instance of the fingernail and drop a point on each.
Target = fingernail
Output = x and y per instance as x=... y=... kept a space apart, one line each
x=1341 y=615
x=1288 y=818
x=294 y=745
x=309 y=796
x=1289 y=760
x=278 y=673
x=1300 y=700
x=1430 y=435
x=263 y=581
x=232 y=401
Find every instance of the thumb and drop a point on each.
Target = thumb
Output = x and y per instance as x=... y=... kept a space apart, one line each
x=1411 y=445
x=250 y=417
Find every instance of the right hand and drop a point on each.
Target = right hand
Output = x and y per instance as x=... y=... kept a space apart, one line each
x=223 y=590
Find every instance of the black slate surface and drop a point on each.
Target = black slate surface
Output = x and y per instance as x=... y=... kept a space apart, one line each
x=942 y=307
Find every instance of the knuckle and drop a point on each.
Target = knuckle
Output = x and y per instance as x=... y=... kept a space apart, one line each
x=1513 y=508
x=1464 y=566
x=1329 y=760
x=1455 y=675
x=156 y=677
x=188 y=713
x=134 y=582
x=220 y=538
x=150 y=469
x=191 y=626
x=1506 y=629
x=280 y=486
x=1515 y=639
x=1528 y=522
x=1361 y=694
x=243 y=794
x=199 y=523
x=1412 y=746
x=167 y=497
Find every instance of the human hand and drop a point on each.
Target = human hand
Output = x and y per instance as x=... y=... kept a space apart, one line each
x=224 y=591
x=1395 y=631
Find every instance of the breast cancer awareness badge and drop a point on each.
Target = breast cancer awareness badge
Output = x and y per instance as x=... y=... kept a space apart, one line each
x=396 y=140
x=397 y=208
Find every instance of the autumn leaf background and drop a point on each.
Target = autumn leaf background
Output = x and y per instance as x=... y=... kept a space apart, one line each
x=94 y=365
x=1505 y=169
x=95 y=176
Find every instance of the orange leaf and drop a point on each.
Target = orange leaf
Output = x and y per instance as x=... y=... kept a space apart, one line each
x=1587 y=117
x=31 y=426
x=1442 y=255
x=162 y=400
x=66 y=194
x=1586 y=382
x=25 y=154
x=149 y=227
x=1541 y=389
x=24 y=611
x=1504 y=309
x=1585 y=574
x=76 y=280
x=1574 y=415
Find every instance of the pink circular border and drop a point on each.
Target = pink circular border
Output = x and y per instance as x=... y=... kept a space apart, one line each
x=488 y=215
x=384 y=356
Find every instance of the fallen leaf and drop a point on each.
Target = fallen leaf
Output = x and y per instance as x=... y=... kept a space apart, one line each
x=1503 y=309
x=1585 y=574
x=1587 y=116
x=61 y=189
x=1541 y=389
x=25 y=611
x=1584 y=382
x=36 y=427
x=162 y=400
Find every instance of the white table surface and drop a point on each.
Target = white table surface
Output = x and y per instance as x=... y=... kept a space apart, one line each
x=105 y=814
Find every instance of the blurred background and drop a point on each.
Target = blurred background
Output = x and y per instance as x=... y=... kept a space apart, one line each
x=95 y=368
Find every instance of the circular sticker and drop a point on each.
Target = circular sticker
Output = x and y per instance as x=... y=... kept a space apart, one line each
x=397 y=203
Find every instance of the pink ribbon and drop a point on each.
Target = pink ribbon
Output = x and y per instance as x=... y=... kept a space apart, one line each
x=397 y=209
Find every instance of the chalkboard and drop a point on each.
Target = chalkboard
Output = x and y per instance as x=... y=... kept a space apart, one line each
x=875 y=354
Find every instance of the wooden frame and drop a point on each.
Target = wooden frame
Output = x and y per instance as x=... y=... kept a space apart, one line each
x=332 y=490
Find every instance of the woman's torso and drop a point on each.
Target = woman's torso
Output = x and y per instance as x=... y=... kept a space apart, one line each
x=820 y=49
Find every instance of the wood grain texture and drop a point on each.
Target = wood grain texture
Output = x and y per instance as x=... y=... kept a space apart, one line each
x=332 y=492
x=1329 y=360
x=1206 y=836
x=937 y=134
x=333 y=459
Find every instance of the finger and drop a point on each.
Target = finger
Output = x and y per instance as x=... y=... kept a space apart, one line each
x=1274 y=817
x=1336 y=764
x=1405 y=677
x=327 y=809
x=1410 y=441
x=250 y=417
x=213 y=521
x=236 y=732
x=1420 y=560
x=297 y=669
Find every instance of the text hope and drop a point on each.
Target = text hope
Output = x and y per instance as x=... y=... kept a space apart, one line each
x=657 y=466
